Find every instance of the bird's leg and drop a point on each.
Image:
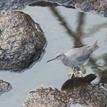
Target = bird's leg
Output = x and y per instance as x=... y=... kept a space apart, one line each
x=76 y=69
x=70 y=74
x=73 y=68
x=82 y=69
x=78 y=72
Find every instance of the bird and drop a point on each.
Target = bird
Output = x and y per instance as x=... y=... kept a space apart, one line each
x=76 y=57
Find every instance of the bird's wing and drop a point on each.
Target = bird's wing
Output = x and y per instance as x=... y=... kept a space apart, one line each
x=83 y=55
x=79 y=54
x=76 y=52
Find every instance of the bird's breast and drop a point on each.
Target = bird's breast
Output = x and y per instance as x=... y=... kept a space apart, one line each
x=70 y=62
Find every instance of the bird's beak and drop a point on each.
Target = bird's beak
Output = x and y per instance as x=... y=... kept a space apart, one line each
x=51 y=59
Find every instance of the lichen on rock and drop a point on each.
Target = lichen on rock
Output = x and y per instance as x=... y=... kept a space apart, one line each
x=22 y=41
x=73 y=93
x=86 y=97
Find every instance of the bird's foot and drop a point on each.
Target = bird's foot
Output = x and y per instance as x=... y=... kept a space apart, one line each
x=75 y=68
x=75 y=74
x=78 y=74
x=71 y=75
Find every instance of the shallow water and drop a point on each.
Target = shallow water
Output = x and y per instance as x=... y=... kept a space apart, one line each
x=55 y=73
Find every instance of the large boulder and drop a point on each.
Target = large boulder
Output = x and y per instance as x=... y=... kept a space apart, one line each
x=76 y=92
x=78 y=97
x=21 y=41
x=4 y=87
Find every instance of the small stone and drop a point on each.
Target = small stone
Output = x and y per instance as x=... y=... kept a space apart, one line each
x=4 y=87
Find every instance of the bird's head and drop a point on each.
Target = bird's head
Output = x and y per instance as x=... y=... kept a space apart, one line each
x=59 y=57
x=93 y=47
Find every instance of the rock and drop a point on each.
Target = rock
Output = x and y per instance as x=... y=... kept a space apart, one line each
x=96 y=6
x=46 y=97
x=75 y=92
x=77 y=82
x=22 y=41
x=90 y=96
x=4 y=87
x=12 y=4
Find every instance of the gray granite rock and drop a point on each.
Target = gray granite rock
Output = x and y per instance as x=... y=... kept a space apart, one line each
x=4 y=87
x=75 y=92
x=98 y=6
x=11 y=4
x=22 y=41
x=90 y=96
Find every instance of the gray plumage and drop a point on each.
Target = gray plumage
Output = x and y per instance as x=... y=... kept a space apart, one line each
x=76 y=56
